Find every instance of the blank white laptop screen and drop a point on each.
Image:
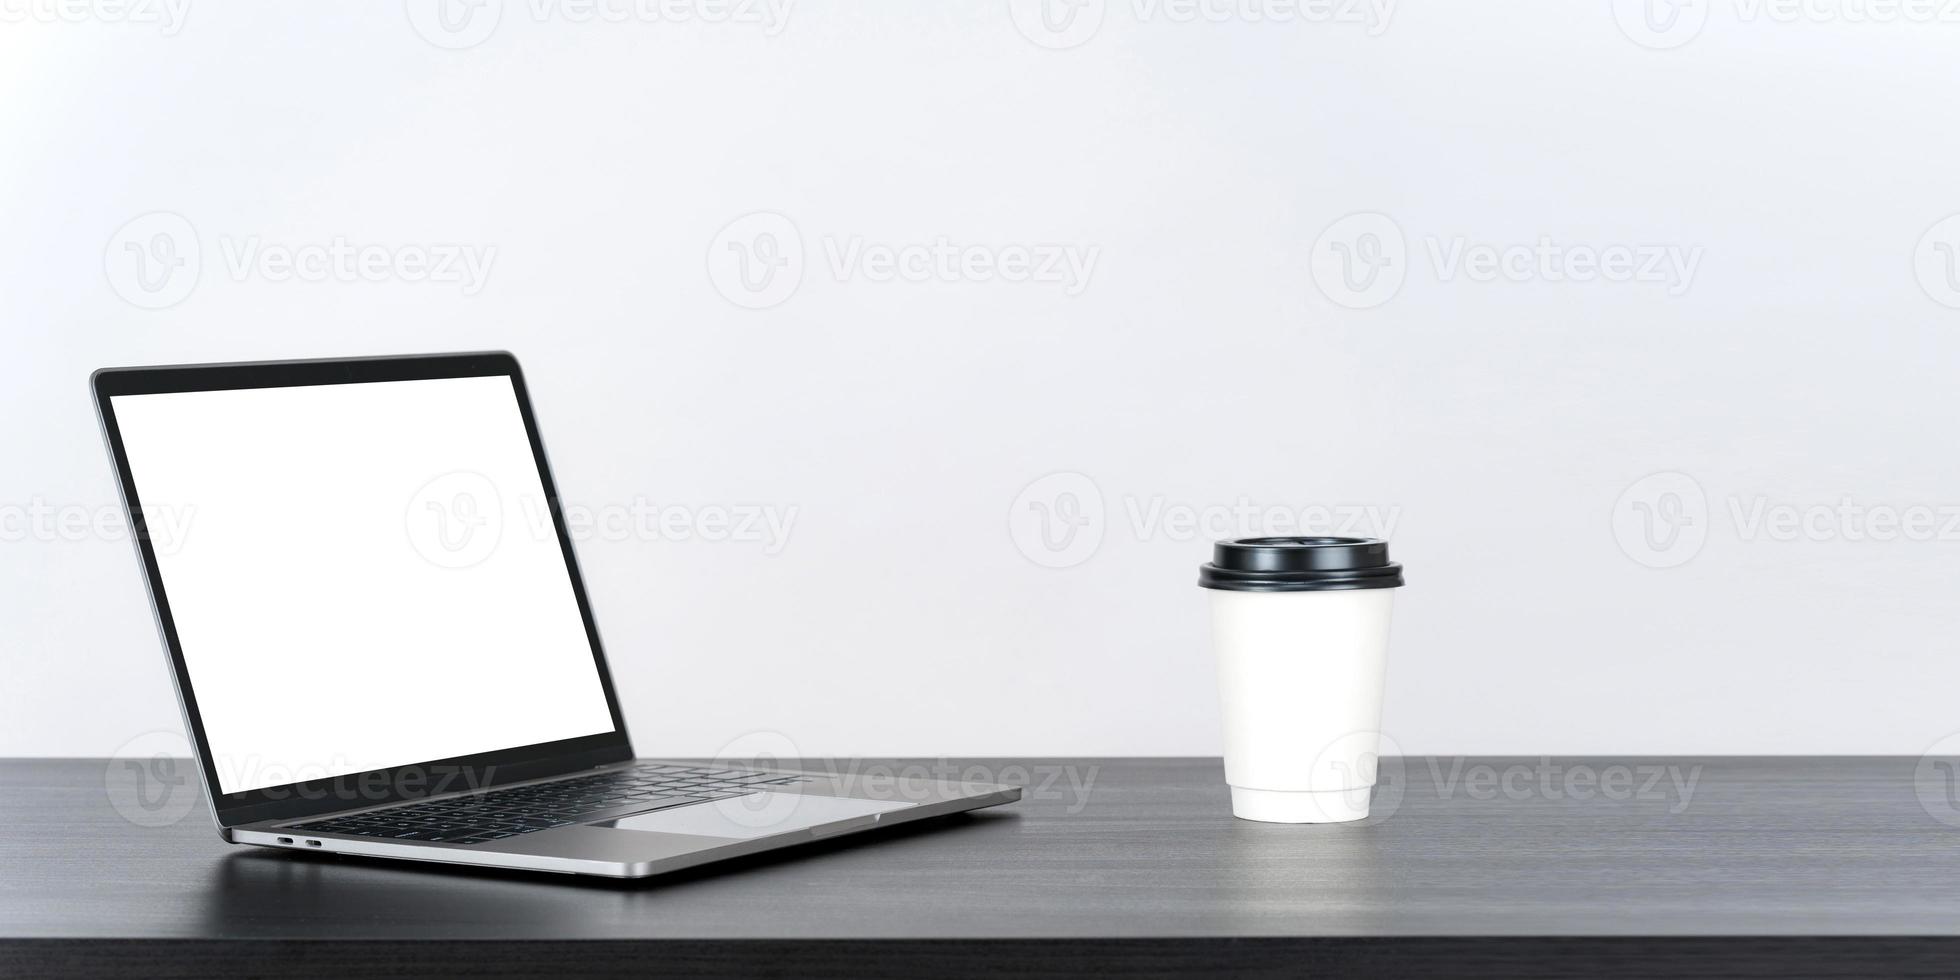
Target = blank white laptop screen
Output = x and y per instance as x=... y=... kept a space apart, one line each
x=363 y=576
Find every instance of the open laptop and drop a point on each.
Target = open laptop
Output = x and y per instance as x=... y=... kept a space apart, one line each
x=380 y=638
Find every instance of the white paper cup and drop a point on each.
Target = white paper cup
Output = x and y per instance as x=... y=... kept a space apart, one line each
x=1300 y=629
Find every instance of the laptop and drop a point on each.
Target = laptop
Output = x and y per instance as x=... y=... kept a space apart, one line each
x=382 y=644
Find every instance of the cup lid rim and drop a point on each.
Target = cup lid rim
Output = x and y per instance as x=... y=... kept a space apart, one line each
x=1303 y=563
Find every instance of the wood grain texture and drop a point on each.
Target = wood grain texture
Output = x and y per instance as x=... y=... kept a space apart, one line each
x=1828 y=865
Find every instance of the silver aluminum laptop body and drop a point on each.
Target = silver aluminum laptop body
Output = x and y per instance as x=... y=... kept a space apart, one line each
x=629 y=842
x=578 y=805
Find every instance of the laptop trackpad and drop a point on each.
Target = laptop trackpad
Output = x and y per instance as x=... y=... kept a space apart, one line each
x=756 y=815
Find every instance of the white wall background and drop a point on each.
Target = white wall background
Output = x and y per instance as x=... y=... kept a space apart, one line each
x=1808 y=361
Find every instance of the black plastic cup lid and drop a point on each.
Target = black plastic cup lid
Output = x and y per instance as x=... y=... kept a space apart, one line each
x=1299 y=565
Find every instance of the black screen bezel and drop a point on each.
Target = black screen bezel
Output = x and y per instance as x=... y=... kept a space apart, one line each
x=380 y=785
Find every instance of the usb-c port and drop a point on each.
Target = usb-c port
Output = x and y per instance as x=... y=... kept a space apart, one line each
x=313 y=843
x=285 y=840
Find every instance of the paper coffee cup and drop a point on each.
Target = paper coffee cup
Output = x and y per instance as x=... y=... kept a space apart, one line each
x=1300 y=629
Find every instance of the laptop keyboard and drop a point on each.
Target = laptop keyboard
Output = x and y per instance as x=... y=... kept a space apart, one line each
x=501 y=813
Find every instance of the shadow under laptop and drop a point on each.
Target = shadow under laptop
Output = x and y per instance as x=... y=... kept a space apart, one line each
x=264 y=893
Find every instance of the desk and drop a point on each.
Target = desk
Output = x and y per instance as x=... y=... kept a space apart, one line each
x=1747 y=866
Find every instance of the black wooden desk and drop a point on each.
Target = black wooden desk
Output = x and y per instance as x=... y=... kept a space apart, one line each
x=1812 y=866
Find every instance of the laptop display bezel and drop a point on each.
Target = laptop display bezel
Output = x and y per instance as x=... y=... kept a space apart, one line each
x=380 y=786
